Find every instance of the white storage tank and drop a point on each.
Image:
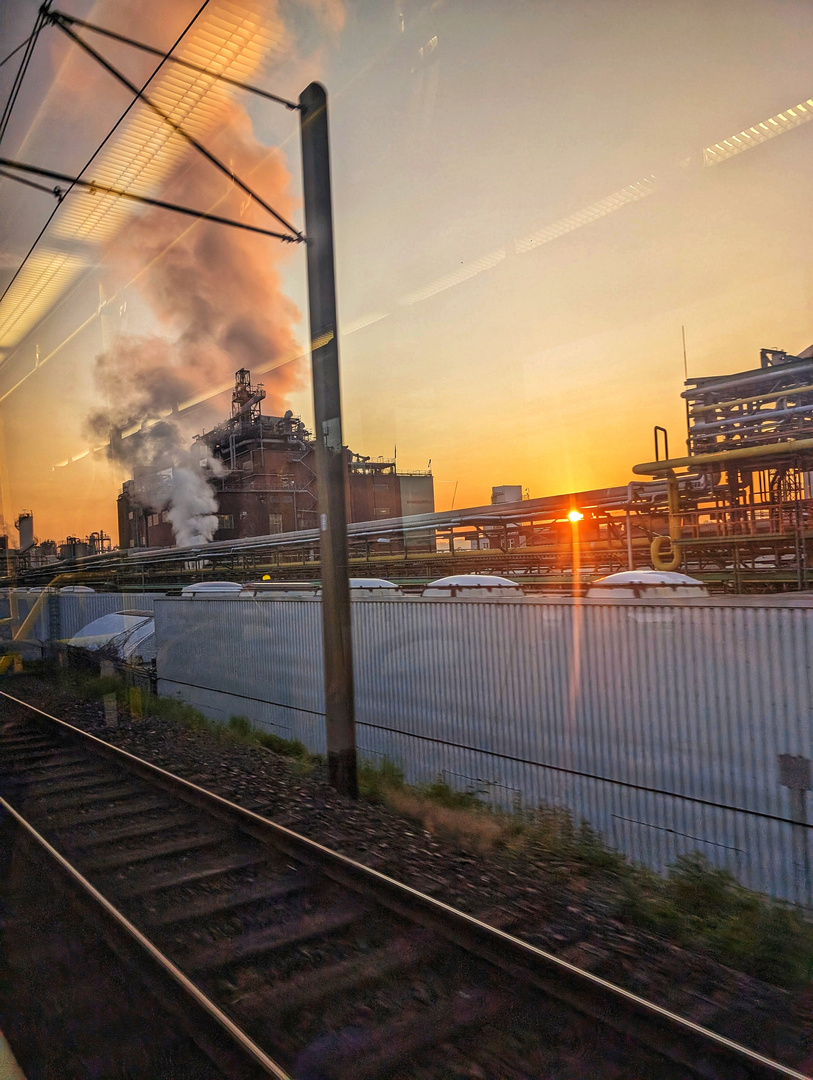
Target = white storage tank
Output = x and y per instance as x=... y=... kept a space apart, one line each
x=474 y=585
x=208 y=589
x=647 y=585
x=373 y=588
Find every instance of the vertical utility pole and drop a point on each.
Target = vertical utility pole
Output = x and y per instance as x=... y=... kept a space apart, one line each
x=330 y=460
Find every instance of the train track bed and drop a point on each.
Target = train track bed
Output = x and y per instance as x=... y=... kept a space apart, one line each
x=68 y=1005
x=253 y=927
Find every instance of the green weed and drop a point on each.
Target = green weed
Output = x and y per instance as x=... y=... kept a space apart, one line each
x=288 y=747
x=241 y=726
x=375 y=781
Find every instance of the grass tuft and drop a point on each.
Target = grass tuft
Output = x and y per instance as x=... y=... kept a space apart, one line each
x=241 y=726
x=697 y=905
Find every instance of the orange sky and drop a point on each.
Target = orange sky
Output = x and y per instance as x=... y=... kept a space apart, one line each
x=489 y=323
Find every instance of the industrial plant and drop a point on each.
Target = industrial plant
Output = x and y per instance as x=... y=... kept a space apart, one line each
x=735 y=510
x=262 y=470
x=31 y=553
x=740 y=499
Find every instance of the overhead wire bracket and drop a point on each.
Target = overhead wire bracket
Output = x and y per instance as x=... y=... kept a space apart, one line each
x=93 y=186
x=56 y=19
x=175 y=59
x=101 y=145
x=56 y=191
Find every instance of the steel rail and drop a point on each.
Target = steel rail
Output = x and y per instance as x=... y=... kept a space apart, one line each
x=653 y=1026
x=246 y=1045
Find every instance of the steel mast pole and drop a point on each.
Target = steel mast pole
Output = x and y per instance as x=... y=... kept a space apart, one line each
x=330 y=456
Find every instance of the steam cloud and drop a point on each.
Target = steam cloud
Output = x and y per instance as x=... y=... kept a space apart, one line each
x=216 y=294
x=142 y=384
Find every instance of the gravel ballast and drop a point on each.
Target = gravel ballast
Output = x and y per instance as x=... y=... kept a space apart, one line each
x=552 y=905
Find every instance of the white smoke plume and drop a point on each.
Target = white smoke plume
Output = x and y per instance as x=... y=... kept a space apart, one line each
x=141 y=385
x=193 y=510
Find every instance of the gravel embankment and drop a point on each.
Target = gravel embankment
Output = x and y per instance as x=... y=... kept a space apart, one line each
x=555 y=906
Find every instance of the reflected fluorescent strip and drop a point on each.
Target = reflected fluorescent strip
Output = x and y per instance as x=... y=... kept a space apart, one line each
x=360 y=324
x=608 y=205
x=640 y=189
x=232 y=39
x=470 y=270
x=768 y=129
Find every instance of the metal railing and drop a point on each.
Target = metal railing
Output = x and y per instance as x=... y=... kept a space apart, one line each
x=752 y=520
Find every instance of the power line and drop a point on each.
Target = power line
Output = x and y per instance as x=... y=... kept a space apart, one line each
x=177 y=127
x=30 y=183
x=14 y=52
x=103 y=143
x=23 y=68
x=93 y=186
x=175 y=59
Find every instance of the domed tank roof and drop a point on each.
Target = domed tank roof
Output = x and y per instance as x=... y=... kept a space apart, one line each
x=648 y=583
x=287 y=590
x=212 y=588
x=473 y=585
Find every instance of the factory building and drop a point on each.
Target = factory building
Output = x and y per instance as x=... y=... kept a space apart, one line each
x=31 y=553
x=265 y=480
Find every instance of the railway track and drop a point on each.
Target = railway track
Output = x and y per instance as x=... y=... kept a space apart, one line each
x=284 y=959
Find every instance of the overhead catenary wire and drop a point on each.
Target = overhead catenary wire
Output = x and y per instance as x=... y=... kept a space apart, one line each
x=30 y=183
x=179 y=129
x=30 y=43
x=103 y=143
x=14 y=52
x=94 y=186
x=176 y=60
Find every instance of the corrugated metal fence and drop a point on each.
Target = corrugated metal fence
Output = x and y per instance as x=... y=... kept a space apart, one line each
x=63 y=614
x=669 y=726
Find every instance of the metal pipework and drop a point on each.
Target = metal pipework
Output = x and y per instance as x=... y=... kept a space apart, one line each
x=723 y=382
x=658 y=544
x=752 y=418
x=745 y=453
x=665 y=434
x=774 y=396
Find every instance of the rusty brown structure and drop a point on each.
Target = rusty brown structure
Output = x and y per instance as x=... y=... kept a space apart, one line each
x=268 y=484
